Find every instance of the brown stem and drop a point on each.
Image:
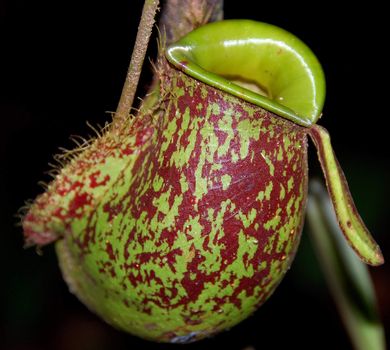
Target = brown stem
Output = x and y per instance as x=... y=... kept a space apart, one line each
x=137 y=58
x=179 y=17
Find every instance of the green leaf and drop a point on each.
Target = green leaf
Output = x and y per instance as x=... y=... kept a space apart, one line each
x=349 y=220
x=348 y=278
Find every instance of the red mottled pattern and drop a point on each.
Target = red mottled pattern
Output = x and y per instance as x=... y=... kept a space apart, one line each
x=79 y=185
x=145 y=240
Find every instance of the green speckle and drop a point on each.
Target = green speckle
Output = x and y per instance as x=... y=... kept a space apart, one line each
x=186 y=121
x=200 y=181
x=226 y=179
x=215 y=109
x=183 y=183
x=282 y=193
x=286 y=142
x=235 y=157
x=247 y=220
x=162 y=202
x=247 y=130
x=280 y=154
x=177 y=92
x=265 y=194
x=225 y=125
x=285 y=231
x=269 y=163
x=216 y=166
x=274 y=222
x=157 y=183
x=194 y=228
x=204 y=92
x=290 y=184
x=210 y=142
x=290 y=204
x=268 y=190
x=168 y=135
x=269 y=246
x=181 y=156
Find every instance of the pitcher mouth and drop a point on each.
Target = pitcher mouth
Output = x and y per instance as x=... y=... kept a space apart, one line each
x=285 y=77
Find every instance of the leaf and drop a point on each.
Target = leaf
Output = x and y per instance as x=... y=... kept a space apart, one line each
x=348 y=278
x=350 y=222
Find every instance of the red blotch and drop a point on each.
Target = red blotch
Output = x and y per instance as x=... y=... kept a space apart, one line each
x=110 y=251
x=76 y=205
x=94 y=182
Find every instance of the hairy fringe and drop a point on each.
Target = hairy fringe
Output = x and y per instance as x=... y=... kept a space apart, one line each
x=22 y=212
x=161 y=47
x=66 y=156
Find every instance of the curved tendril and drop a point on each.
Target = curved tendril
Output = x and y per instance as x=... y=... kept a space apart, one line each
x=350 y=222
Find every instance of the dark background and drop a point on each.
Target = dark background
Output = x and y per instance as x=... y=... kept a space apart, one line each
x=63 y=62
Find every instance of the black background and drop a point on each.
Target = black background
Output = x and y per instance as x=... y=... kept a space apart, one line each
x=63 y=62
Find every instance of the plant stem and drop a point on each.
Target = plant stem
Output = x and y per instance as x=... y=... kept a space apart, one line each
x=137 y=58
x=179 y=17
